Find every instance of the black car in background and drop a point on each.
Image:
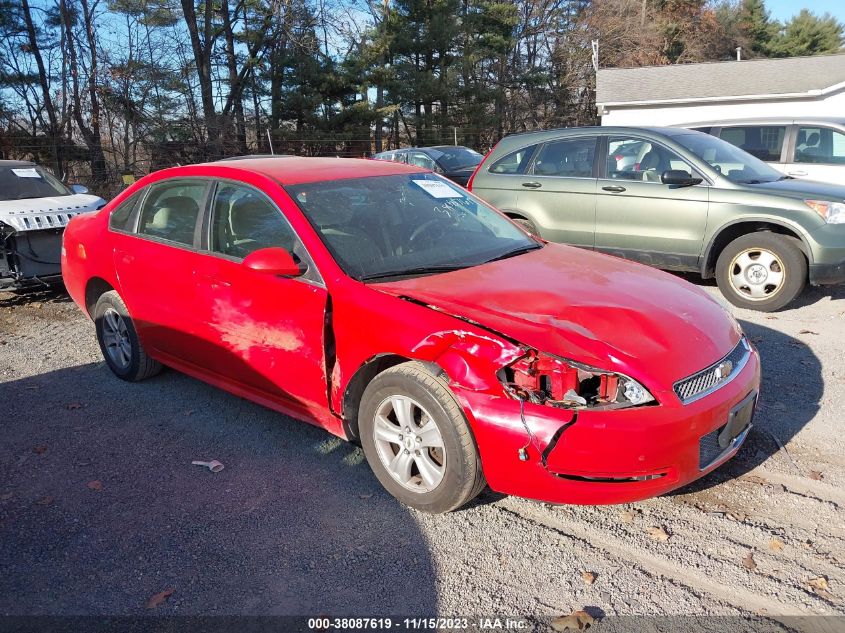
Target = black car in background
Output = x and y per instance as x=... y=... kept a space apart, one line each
x=456 y=162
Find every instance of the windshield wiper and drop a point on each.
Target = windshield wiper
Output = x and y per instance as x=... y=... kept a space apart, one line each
x=513 y=253
x=420 y=270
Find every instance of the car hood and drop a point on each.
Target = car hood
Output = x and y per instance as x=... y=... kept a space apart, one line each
x=593 y=308
x=35 y=214
x=800 y=188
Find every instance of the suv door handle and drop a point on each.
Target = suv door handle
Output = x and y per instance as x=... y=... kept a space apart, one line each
x=614 y=188
x=798 y=173
x=532 y=185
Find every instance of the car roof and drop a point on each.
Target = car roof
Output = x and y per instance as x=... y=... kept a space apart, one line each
x=16 y=163
x=296 y=170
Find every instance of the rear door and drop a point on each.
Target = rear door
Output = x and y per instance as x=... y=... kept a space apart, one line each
x=154 y=263
x=766 y=142
x=501 y=181
x=558 y=192
x=640 y=218
x=818 y=154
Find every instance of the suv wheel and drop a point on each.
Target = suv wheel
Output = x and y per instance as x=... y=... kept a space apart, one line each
x=526 y=224
x=122 y=350
x=761 y=271
x=417 y=440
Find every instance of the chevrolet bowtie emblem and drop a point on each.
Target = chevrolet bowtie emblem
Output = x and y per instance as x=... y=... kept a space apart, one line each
x=723 y=370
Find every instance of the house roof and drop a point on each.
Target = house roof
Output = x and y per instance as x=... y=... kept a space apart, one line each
x=761 y=78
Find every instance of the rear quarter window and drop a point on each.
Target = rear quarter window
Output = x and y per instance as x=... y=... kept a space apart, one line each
x=515 y=162
x=121 y=216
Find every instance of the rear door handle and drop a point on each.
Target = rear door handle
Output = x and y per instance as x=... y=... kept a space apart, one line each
x=798 y=173
x=614 y=188
x=532 y=185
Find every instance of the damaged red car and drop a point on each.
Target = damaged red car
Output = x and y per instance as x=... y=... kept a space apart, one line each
x=393 y=308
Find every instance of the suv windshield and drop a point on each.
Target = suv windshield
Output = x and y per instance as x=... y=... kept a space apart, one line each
x=382 y=227
x=452 y=158
x=733 y=163
x=29 y=181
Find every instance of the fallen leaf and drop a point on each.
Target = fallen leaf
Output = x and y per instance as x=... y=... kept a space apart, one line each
x=776 y=545
x=365 y=496
x=658 y=533
x=575 y=621
x=628 y=516
x=771 y=316
x=756 y=339
x=748 y=562
x=45 y=501
x=40 y=449
x=73 y=405
x=189 y=413
x=95 y=485
x=820 y=582
x=160 y=597
x=589 y=577
x=6 y=496
x=808 y=332
x=754 y=479
x=817 y=475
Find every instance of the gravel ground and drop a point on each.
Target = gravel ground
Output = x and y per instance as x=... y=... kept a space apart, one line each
x=100 y=507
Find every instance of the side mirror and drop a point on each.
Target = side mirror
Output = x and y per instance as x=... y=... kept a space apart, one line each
x=273 y=261
x=679 y=177
x=79 y=189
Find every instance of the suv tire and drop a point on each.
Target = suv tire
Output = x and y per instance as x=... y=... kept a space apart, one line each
x=761 y=271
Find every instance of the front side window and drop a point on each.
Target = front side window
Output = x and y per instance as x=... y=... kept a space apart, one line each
x=570 y=158
x=171 y=209
x=421 y=160
x=29 y=181
x=763 y=141
x=515 y=162
x=403 y=225
x=730 y=161
x=820 y=145
x=642 y=160
x=455 y=158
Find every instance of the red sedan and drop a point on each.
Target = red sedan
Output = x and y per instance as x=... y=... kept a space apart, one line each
x=390 y=307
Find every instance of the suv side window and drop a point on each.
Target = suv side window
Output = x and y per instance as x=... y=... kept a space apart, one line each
x=515 y=162
x=244 y=220
x=641 y=160
x=171 y=209
x=568 y=158
x=763 y=141
x=820 y=145
x=421 y=160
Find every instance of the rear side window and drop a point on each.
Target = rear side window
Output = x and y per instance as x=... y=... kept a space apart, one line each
x=120 y=217
x=171 y=209
x=569 y=158
x=515 y=162
x=762 y=141
x=820 y=145
x=705 y=130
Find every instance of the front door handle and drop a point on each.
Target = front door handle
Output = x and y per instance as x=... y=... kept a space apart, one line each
x=532 y=185
x=798 y=173
x=614 y=188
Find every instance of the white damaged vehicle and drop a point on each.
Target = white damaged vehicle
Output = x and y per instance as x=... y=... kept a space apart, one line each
x=35 y=207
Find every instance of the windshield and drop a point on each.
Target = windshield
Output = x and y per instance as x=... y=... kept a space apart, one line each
x=733 y=163
x=24 y=182
x=452 y=158
x=411 y=224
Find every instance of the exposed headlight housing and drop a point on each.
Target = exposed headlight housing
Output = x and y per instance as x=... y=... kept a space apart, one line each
x=559 y=382
x=831 y=212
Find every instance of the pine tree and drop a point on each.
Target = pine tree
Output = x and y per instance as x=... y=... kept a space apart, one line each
x=809 y=34
x=757 y=27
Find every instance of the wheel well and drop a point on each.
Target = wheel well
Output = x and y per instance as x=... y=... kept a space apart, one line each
x=95 y=289
x=730 y=233
x=359 y=381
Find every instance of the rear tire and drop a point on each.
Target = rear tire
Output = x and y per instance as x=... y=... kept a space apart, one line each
x=119 y=342
x=429 y=468
x=761 y=271
x=527 y=224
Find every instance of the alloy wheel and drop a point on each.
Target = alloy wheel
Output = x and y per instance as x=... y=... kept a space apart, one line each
x=116 y=338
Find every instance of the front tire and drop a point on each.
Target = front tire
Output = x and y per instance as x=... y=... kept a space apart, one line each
x=527 y=224
x=417 y=440
x=119 y=342
x=761 y=271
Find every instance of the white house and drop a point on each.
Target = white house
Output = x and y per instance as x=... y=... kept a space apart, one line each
x=690 y=93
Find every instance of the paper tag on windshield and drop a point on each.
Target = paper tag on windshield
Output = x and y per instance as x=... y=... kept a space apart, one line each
x=26 y=173
x=437 y=189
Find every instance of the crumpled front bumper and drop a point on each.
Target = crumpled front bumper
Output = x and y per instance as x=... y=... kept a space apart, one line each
x=603 y=457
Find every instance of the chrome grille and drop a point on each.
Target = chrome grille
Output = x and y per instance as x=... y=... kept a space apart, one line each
x=711 y=378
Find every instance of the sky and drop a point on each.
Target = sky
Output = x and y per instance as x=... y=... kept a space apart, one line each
x=784 y=9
